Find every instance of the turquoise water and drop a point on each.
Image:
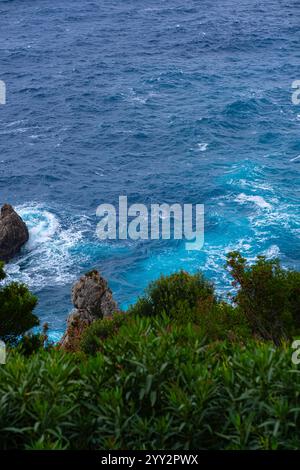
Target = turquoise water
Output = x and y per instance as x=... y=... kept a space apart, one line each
x=162 y=101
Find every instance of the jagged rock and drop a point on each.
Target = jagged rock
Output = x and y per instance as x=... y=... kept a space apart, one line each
x=13 y=233
x=92 y=299
x=77 y=322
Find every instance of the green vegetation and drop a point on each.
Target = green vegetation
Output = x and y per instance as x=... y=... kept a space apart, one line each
x=268 y=295
x=30 y=343
x=179 y=296
x=16 y=306
x=94 y=336
x=152 y=387
x=181 y=369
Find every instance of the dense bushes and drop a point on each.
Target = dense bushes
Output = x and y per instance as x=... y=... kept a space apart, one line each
x=181 y=369
x=266 y=303
x=222 y=321
x=102 y=329
x=30 y=342
x=179 y=295
x=268 y=295
x=152 y=387
x=16 y=306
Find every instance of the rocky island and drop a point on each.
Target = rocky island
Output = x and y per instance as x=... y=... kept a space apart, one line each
x=13 y=233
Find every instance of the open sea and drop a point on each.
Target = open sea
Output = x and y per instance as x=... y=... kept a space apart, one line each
x=160 y=100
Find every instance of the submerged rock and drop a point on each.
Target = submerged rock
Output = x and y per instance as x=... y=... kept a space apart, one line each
x=13 y=233
x=92 y=299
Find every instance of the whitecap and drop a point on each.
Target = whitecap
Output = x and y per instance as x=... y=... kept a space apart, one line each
x=46 y=259
x=272 y=252
x=202 y=146
x=42 y=225
x=257 y=200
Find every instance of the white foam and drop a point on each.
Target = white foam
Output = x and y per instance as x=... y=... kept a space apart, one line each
x=202 y=146
x=252 y=184
x=272 y=252
x=257 y=200
x=46 y=258
x=134 y=97
x=42 y=225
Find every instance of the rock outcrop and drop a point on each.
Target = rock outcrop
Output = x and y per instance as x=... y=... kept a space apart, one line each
x=92 y=299
x=13 y=233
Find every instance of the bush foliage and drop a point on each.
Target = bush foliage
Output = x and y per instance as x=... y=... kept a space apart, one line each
x=152 y=387
x=16 y=306
x=179 y=295
x=102 y=329
x=268 y=295
x=181 y=369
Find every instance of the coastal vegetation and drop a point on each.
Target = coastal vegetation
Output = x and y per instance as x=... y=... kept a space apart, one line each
x=181 y=369
x=16 y=310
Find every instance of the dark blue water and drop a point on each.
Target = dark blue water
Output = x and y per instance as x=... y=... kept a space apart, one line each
x=162 y=101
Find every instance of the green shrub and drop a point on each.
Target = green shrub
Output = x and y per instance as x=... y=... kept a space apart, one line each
x=224 y=322
x=16 y=306
x=31 y=343
x=179 y=296
x=144 y=381
x=93 y=336
x=268 y=295
x=190 y=298
x=154 y=386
